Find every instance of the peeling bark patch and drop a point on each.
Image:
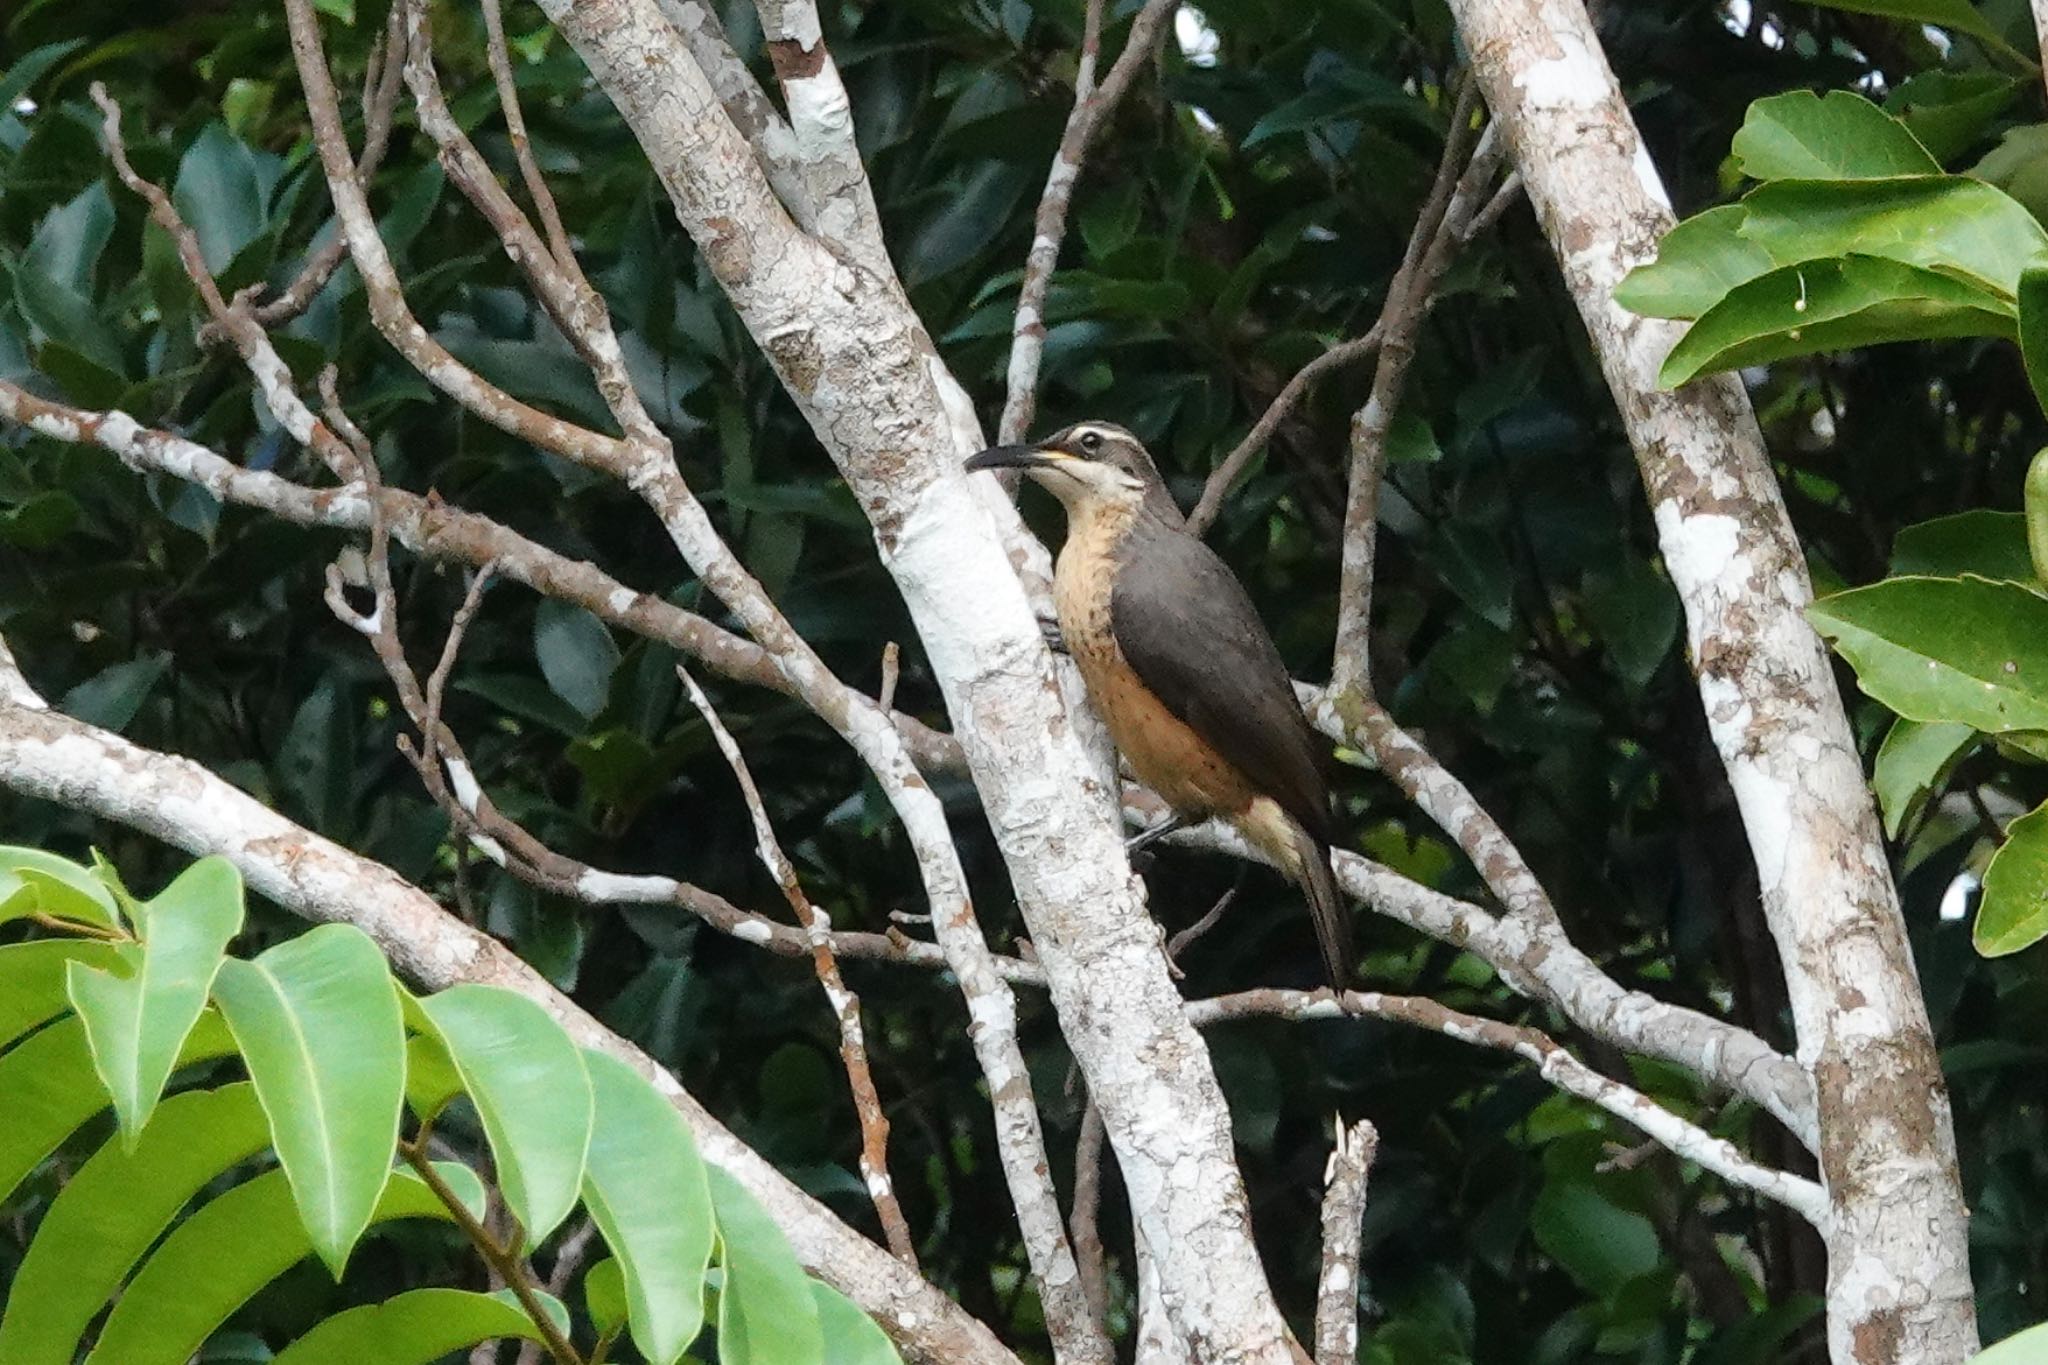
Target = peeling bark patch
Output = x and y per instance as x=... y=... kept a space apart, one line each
x=792 y=61
x=730 y=252
x=799 y=357
x=1880 y=1338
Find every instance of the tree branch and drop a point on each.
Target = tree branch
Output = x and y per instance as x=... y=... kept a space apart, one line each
x=821 y=127
x=1344 y=1182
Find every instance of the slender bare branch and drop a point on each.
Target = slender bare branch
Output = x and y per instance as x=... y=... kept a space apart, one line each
x=1093 y=105
x=515 y=130
x=1085 y=1221
x=821 y=127
x=853 y=1047
x=1556 y=1064
x=1344 y=1188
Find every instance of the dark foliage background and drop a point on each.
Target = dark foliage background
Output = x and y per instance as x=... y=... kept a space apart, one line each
x=1244 y=210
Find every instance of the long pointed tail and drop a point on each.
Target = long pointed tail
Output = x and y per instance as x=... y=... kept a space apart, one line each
x=1326 y=906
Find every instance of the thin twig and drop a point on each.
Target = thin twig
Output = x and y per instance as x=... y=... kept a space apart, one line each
x=515 y=129
x=1092 y=106
x=853 y=1048
x=1344 y=1187
x=1179 y=942
x=1084 y=1223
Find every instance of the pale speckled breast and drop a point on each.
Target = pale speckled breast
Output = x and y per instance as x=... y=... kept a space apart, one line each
x=1165 y=753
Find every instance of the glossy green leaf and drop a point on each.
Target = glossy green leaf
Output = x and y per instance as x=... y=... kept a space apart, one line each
x=30 y=66
x=1697 y=263
x=66 y=317
x=850 y=1336
x=411 y=1329
x=1966 y=650
x=1911 y=762
x=2029 y=1347
x=2033 y=310
x=111 y=697
x=431 y=1079
x=2014 y=912
x=220 y=194
x=138 y=1012
x=1950 y=110
x=33 y=882
x=111 y=1211
x=51 y=1089
x=1601 y=1245
x=1838 y=135
x=1951 y=224
x=33 y=988
x=1960 y=15
x=214 y=1262
x=646 y=1187
x=70 y=238
x=604 y=1295
x=531 y=1090
x=766 y=1314
x=1985 y=543
x=577 y=655
x=318 y=1022
x=1830 y=306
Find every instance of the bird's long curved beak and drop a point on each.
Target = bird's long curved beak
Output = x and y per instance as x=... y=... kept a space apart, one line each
x=1014 y=457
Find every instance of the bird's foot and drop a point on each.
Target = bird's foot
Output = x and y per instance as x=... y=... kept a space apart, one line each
x=1143 y=839
x=1049 y=630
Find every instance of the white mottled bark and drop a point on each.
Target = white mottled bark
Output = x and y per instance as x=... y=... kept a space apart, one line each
x=863 y=371
x=1898 y=1263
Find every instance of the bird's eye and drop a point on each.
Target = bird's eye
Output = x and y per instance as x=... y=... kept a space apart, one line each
x=1091 y=441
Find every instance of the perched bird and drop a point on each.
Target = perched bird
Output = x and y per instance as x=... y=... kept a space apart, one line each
x=1176 y=660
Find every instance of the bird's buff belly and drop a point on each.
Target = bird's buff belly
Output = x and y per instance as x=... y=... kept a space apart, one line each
x=1164 y=753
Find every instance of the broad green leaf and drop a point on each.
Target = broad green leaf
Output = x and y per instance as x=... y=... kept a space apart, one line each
x=318 y=1022
x=220 y=194
x=32 y=64
x=32 y=882
x=1960 y=15
x=1830 y=306
x=33 y=989
x=69 y=240
x=645 y=1186
x=2035 y=503
x=112 y=1210
x=111 y=697
x=577 y=655
x=51 y=1089
x=2022 y=1348
x=1638 y=616
x=1836 y=136
x=766 y=1314
x=1911 y=761
x=850 y=1336
x=2016 y=166
x=138 y=1013
x=1601 y=1245
x=557 y=1312
x=214 y=1262
x=411 y=1329
x=2033 y=308
x=1949 y=224
x=1697 y=263
x=1981 y=542
x=431 y=1079
x=604 y=1295
x=1949 y=110
x=1966 y=650
x=68 y=318
x=2014 y=912
x=532 y=1092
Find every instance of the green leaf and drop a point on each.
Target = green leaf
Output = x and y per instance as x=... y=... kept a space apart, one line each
x=344 y=10
x=1830 y=306
x=1602 y=1246
x=766 y=1314
x=850 y=1336
x=1981 y=542
x=604 y=1295
x=215 y=1261
x=1637 y=614
x=318 y=1022
x=69 y=240
x=1949 y=110
x=2016 y=166
x=1966 y=650
x=51 y=1089
x=414 y=1328
x=113 y=1210
x=577 y=655
x=431 y=1079
x=111 y=697
x=32 y=980
x=1959 y=15
x=2022 y=1348
x=68 y=318
x=1911 y=762
x=1697 y=263
x=138 y=1013
x=645 y=1186
x=219 y=192
x=1836 y=136
x=1949 y=224
x=2033 y=306
x=32 y=64
x=532 y=1092
x=34 y=882
x=2014 y=912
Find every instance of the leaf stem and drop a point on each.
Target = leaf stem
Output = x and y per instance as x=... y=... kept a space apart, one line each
x=510 y=1267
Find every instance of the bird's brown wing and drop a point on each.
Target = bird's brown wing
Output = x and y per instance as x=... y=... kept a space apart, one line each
x=1191 y=634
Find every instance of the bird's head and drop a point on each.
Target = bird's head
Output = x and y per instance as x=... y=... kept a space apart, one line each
x=1088 y=464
